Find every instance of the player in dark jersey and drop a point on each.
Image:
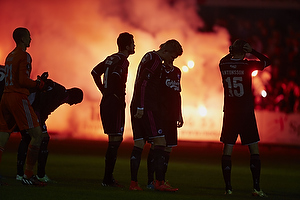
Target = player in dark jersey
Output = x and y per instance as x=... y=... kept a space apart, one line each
x=15 y=109
x=44 y=103
x=239 y=117
x=112 y=106
x=170 y=108
x=145 y=111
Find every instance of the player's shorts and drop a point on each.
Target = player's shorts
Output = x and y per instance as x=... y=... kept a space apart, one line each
x=170 y=130
x=112 y=114
x=147 y=127
x=243 y=124
x=16 y=110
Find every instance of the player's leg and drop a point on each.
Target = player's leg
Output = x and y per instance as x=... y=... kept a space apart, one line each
x=255 y=165
x=111 y=157
x=226 y=166
x=150 y=168
x=167 y=153
x=42 y=158
x=135 y=160
x=4 y=136
x=33 y=150
x=22 y=152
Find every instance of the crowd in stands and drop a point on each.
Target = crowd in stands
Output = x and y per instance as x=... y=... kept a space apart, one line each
x=276 y=33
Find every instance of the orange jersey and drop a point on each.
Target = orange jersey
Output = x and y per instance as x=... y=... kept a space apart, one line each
x=17 y=72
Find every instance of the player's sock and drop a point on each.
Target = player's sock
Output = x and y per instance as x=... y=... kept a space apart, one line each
x=43 y=156
x=159 y=160
x=255 y=166
x=1 y=152
x=166 y=163
x=22 y=152
x=32 y=156
x=226 y=169
x=110 y=160
x=135 y=160
x=150 y=166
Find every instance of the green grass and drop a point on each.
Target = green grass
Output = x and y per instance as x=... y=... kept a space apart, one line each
x=194 y=168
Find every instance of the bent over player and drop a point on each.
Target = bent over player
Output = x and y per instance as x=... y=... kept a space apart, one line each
x=44 y=103
x=145 y=112
x=112 y=106
x=15 y=108
x=239 y=117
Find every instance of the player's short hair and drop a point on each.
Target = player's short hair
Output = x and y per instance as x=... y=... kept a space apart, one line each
x=237 y=46
x=75 y=96
x=124 y=39
x=19 y=33
x=172 y=46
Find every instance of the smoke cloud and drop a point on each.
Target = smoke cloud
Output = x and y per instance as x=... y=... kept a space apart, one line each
x=70 y=37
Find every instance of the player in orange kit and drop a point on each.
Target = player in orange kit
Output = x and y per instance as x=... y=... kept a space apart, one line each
x=15 y=108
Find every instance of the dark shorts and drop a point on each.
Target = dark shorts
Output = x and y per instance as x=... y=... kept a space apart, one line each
x=243 y=124
x=170 y=130
x=112 y=114
x=147 y=127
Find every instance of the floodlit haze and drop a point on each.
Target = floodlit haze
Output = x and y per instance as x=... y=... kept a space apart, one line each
x=70 y=37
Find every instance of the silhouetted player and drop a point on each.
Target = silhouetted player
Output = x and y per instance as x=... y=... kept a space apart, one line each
x=239 y=117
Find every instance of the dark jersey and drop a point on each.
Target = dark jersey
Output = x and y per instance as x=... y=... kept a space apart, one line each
x=2 y=79
x=147 y=82
x=237 y=83
x=170 y=94
x=115 y=70
x=47 y=101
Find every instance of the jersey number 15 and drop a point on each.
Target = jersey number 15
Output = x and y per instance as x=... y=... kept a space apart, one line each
x=235 y=86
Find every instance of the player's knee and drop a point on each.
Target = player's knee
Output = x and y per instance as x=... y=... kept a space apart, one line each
x=159 y=141
x=168 y=149
x=139 y=143
x=4 y=136
x=36 y=136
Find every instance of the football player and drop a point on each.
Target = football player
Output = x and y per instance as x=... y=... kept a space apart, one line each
x=145 y=112
x=239 y=117
x=44 y=103
x=112 y=107
x=170 y=107
x=15 y=108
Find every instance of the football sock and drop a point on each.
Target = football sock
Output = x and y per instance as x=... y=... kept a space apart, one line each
x=226 y=170
x=110 y=160
x=255 y=166
x=22 y=152
x=42 y=159
x=32 y=156
x=135 y=160
x=150 y=166
x=167 y=158
x=159 y=160
x=1 y=152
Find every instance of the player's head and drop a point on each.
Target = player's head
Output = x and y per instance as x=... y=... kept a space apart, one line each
x=170 y=50
x=125 y=42
x=237 y=47
x=75 y=96
x=22 y=36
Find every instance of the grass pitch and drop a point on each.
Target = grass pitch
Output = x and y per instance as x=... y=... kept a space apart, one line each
x=78 y=167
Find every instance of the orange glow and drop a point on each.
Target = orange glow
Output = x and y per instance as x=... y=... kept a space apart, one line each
x=264 y=93
x=254 y=73
x=70 y=37
x=185 y=68
x=191 y=64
